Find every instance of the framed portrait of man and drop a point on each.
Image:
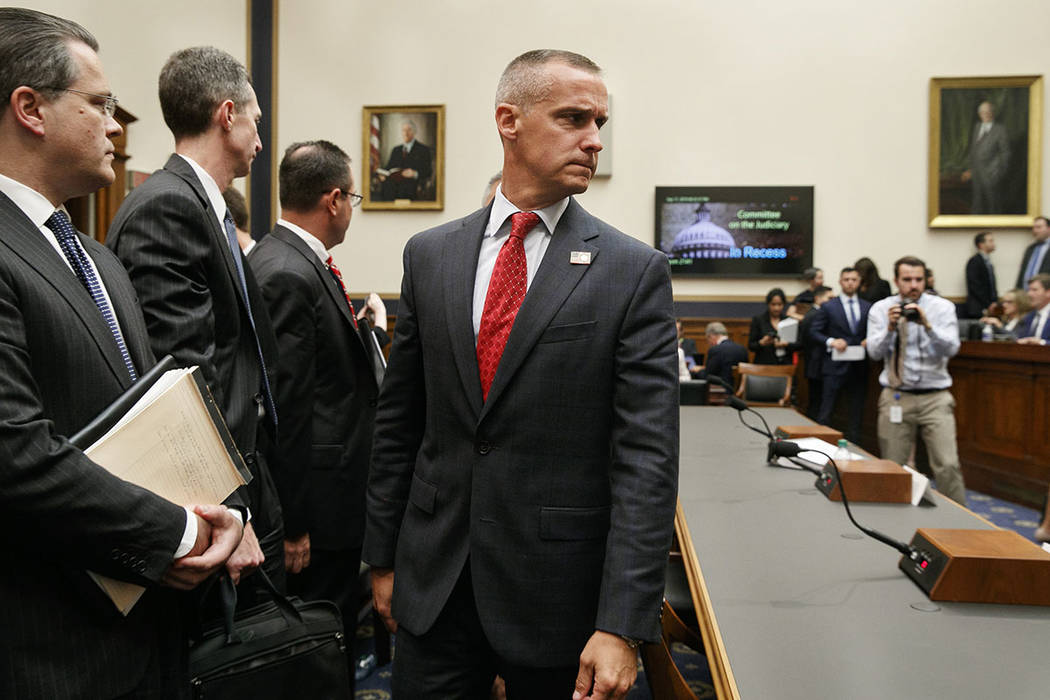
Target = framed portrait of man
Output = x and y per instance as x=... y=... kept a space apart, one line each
x=985 y=151
x=405 y=147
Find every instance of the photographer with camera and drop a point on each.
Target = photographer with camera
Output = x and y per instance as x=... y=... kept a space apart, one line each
x=915 y=334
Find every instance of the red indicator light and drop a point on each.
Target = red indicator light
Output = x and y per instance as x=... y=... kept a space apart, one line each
x=923 y=564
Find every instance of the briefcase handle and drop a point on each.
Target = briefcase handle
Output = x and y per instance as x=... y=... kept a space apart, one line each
x=228 y=600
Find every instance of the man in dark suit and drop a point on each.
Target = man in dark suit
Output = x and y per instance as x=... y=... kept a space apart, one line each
x=842 y=322
x=1036 y=259
x=71 y=341
x=722 y=353
x=413 y=162
x=177 y=240
x=989 y=158
x=327 y=388
x=521 y=497
x=1034 y=328
x=814 y=352
x=981 y=289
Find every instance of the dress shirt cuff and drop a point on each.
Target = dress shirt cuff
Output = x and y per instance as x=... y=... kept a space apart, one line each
x=189 y=536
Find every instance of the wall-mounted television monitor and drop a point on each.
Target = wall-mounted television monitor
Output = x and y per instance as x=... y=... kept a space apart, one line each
x=735 y=231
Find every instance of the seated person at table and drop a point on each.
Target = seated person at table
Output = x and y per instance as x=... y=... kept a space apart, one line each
x=722 y=354
x=764 y=339
x=688 y=347
x=1013 y=306
x=1035 y=328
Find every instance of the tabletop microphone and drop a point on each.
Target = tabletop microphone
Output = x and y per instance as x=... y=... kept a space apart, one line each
x=740 y=406
x=786 y=448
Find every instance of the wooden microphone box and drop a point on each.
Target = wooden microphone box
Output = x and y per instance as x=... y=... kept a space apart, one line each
x=867 y=480
x=794 y=432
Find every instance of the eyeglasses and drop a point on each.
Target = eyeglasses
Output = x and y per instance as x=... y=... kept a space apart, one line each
x=355 y=199
x=109 y=107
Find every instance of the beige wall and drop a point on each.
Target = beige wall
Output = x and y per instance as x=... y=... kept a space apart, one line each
x=741 y=92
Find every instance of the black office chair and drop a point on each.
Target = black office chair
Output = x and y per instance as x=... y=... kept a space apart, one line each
x=765 y=385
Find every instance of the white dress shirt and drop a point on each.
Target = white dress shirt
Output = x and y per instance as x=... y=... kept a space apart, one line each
x=496 y=233
x=218 y=204
x=309 y=239
x=926 y=355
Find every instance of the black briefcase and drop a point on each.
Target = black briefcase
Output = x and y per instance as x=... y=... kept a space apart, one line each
x=282 y=649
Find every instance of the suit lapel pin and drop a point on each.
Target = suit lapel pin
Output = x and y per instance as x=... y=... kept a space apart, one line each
x=580 y=257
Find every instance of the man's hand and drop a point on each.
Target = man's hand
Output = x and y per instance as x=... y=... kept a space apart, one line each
x=375 y=310
x=218 y=534
x=893 y=315
x=1031 y=341
x=247 y=557
x=297 y=553
x=382 y=593
x=608 y=668
x=409 y=173
x=766 y=340
x=839 y=344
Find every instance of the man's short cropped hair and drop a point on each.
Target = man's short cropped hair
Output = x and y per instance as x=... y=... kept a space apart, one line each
x=194 y=82
x=810 y=273
x=979 y=238
x=524 y=82
x=910 y=261
x=715 y=328
x=34 y=51
x=308 y=170
x=847 y=270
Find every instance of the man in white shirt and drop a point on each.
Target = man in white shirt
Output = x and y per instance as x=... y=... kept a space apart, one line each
x=915 y=334
x=1034 y=328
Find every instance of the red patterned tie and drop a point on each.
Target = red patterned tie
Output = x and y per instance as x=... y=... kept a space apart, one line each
x=506 y=292
x=339 y=278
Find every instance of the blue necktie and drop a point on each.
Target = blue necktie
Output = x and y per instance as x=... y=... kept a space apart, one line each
x=59 y=224
x=852 y=316
x=235 y=248
x=1035 y=262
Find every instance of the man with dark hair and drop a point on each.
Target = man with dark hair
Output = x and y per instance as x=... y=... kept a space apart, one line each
x=410 y=165
x=915 y=334
x=1036 y=259
x=327 y=387
x=813 y=277
x=989 y=159
x=1034 y=328
x=981 y=289
x=71 y=341
x=522 y=488
x=178 y=242
x=238 y=207
x=813 y=352
x=842 y=322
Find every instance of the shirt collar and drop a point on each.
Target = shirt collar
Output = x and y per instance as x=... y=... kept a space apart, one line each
x=311 y=240
x=502 y=209
x=407 y=145
x=210 y=188
x=33 y=204
x=846 y=299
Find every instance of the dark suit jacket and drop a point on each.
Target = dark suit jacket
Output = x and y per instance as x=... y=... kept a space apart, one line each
x=1044 y=267
x=561 y=486
x=326 y=395
x=879 y=290
x=418 y=159
x=812 y=351
x=722 y=358
x=61 y=514
x=831 y=322
x=1026 y=328
x=767 y=354
x=980 y=287
x=167 y=235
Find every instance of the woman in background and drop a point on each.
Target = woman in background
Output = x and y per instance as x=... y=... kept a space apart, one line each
x=872 y=287
x=764 y=338
x=1014 y=305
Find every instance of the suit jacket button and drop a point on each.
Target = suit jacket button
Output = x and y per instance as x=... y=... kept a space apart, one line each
x=372 y=403
x=484 y=447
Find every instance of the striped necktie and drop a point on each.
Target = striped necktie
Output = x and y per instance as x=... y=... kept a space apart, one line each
x=59 y=224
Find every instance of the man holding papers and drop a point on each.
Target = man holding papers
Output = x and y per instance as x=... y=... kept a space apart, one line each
x=71 y=341
x=841 y=325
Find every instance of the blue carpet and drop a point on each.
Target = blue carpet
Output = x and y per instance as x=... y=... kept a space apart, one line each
x=1009 y=516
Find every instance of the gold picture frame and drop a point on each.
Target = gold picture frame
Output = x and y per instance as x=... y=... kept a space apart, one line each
x=385 y=131
x=985 y=176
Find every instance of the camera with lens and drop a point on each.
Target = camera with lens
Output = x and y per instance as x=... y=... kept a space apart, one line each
x=912 y=313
